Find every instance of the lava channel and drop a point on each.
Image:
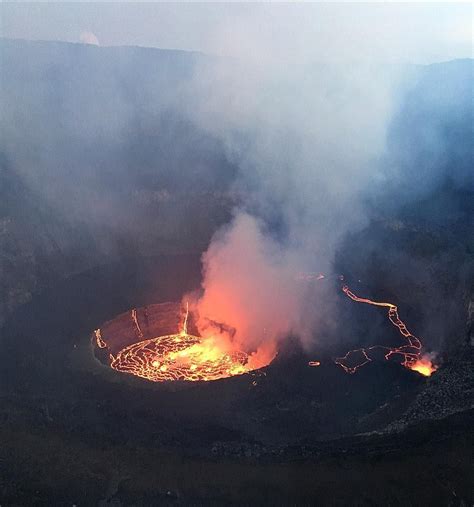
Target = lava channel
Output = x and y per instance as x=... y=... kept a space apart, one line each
x=410 y=352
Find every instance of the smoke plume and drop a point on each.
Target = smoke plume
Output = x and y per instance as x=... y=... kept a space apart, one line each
x=89 y=38
x=306 y=139
x=128 y=152
x=249 y=287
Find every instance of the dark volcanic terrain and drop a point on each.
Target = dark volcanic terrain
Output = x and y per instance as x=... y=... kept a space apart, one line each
x=75 y=432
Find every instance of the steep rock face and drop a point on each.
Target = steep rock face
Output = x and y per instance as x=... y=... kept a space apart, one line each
x=96 y=165
x=36 y=247
x=470 y=321
x=39 y=248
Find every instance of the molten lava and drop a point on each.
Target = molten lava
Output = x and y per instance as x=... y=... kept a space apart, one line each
x=177 y=354
x=410 y=352
x=180 y=356
x=423 y=366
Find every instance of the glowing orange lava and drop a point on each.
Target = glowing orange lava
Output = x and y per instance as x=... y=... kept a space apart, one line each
x=187 y=357
x=179 y=356
x=410 y=352
x=423 y=366
x=98 y=338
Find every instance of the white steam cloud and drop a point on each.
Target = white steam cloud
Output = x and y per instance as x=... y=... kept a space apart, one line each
x=89 y=38
x=306 y=139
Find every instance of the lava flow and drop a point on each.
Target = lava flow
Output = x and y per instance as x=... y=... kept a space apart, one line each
x=410 y=352
x=176 y=354
x=180 y=356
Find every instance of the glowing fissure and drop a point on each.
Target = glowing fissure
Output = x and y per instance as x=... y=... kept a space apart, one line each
x=135 y=320
x=98 y=339
x=410 y=352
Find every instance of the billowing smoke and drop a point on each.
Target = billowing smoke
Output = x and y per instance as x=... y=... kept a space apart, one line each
x=306 y=140
x=312 y=143
x=249 y=286
x=89 y=38
x=128 y=152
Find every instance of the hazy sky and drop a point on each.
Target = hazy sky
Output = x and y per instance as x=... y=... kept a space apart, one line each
x=404 y=32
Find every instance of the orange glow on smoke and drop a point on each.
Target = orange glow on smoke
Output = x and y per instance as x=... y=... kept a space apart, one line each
x=410 y=352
